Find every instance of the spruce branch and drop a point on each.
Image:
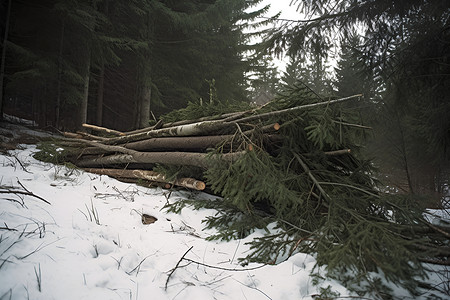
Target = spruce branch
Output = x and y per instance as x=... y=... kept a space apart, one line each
x=349 y=186
x=316 y=182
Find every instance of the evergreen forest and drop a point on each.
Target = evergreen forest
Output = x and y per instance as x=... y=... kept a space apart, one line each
x=115 y=63
x=349 y=180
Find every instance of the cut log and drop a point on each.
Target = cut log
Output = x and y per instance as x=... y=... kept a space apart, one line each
x=169 y=158
x=195 y=129
x=180 y=143
x=150 y=176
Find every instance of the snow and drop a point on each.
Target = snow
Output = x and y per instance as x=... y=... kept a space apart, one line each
x=90 y=243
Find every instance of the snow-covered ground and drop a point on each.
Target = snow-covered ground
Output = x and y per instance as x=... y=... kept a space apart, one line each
x=90 y=243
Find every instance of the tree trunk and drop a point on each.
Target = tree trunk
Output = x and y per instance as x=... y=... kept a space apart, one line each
x=84 y=101
x=146 y=94
x=2 y=67
x=101 y=80
x=58 y=88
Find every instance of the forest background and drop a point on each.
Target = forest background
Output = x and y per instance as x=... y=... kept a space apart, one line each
x=122 y=64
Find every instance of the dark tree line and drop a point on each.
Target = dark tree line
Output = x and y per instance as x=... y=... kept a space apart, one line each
x=113 y=63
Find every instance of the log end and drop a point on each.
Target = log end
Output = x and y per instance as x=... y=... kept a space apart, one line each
x=276 y=126
x=200 y=185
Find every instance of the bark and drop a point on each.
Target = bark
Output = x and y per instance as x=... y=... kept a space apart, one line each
x=150 y=176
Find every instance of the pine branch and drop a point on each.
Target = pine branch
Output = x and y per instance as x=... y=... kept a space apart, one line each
x=316 y=182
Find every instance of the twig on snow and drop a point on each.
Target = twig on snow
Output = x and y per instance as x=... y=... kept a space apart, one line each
x=26 y=192
x=20 y=163
x=176 y=266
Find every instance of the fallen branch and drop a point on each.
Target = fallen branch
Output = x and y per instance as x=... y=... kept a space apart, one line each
x=176 y=266
x=24 y=193
x=19 y=192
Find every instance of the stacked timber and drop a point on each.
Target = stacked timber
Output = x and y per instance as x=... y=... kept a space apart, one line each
x=131 y=156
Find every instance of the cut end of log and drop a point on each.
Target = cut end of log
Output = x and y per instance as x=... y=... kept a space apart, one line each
x=276 y=126
x=200 y=185
x=191 y=183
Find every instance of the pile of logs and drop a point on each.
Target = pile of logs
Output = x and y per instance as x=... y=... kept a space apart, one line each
x=131 y=156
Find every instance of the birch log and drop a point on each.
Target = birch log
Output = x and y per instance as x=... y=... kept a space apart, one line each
x=191 y=183
x=170 y=158
x=195 y=129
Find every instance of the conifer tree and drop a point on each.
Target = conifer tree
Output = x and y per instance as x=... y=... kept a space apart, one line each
x=309 y=73
x=400 y=40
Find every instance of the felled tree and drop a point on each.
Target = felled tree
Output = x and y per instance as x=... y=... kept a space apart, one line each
x=324 y=198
